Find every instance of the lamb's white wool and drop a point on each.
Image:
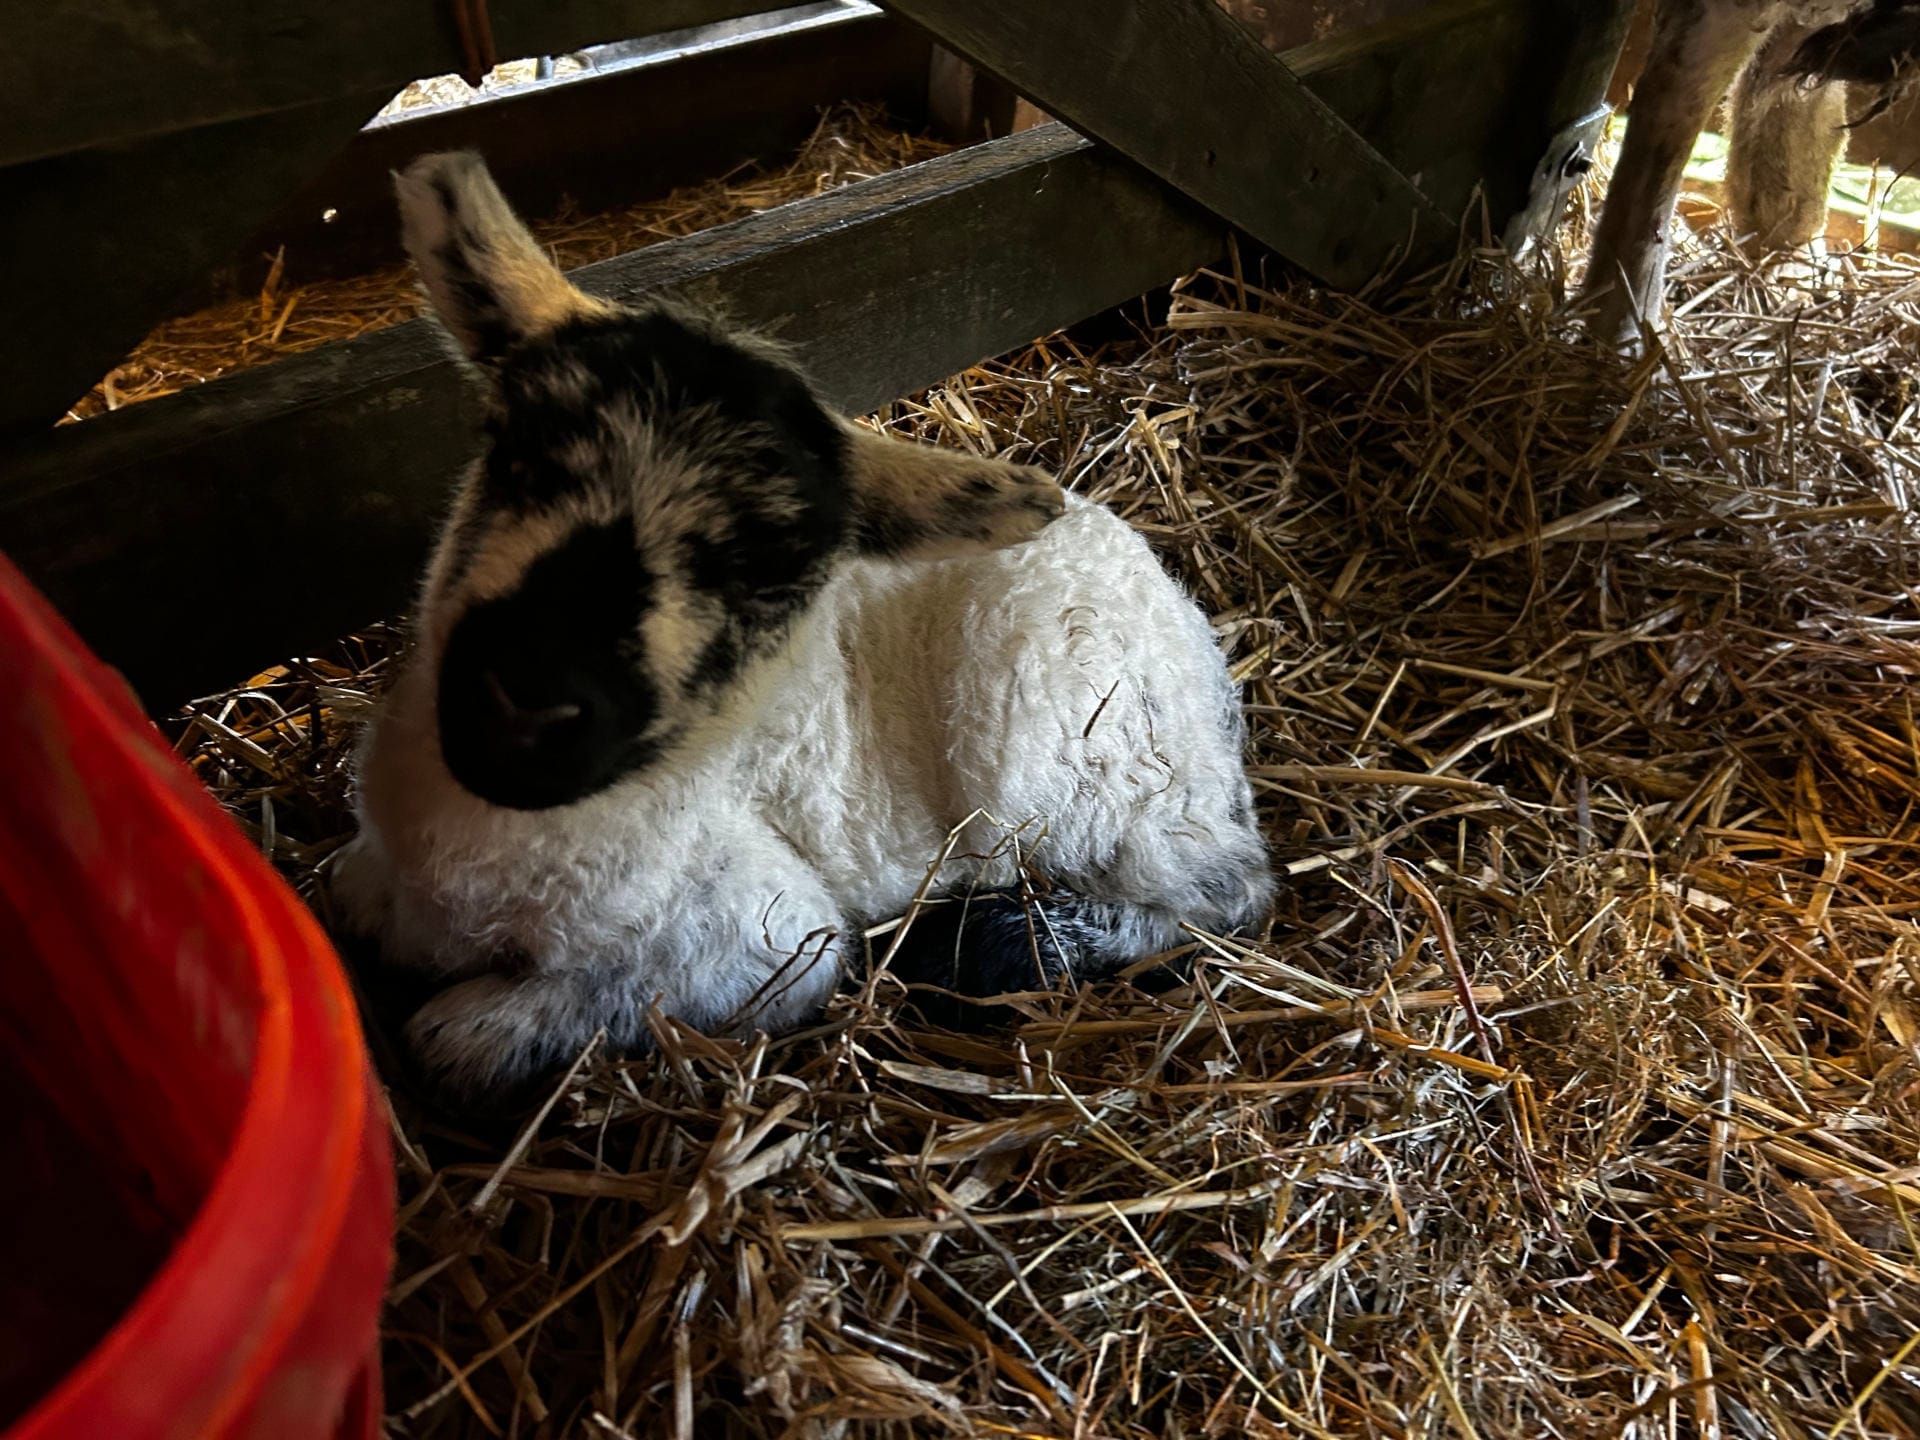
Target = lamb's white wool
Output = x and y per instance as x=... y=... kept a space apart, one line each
x=814 y=747
x=1067 y=687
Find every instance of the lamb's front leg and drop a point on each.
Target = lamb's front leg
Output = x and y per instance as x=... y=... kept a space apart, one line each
x=727 y=962
x=495 y=1035
x=1698 y=47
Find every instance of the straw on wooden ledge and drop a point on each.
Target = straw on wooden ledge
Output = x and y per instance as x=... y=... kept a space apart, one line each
x=849 y=143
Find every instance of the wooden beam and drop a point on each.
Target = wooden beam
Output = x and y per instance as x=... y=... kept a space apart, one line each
x=95 y=248
x=112 y=241
x=1287 y=24
x=1531 y=69
x=194 y=537
x=75 y=74
x=1181 y=88
x=1569 y=67
x=674 y=118
x=964 y=103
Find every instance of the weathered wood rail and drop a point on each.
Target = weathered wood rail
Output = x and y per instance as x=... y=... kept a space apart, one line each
x=154 y=68
x=670 y=119
x=144 y=141
x=1211 y=113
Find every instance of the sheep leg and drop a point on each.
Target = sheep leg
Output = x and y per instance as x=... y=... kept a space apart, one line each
x=1698 y=47
x=1787 y=135
x=736 y=960
x=995 y=942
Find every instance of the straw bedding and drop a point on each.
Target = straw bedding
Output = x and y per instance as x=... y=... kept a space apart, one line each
x=1576 y=1089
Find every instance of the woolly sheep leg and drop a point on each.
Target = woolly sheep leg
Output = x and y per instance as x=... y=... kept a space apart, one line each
x=1698 y=47
x=764 y=954
x=1787 y=135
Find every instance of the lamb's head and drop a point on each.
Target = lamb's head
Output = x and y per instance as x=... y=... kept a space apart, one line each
x=660 y=502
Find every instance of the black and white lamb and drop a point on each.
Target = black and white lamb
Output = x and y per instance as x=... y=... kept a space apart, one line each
x=707 y=679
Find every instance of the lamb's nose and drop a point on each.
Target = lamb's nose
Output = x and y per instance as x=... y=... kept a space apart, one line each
x=526 y=726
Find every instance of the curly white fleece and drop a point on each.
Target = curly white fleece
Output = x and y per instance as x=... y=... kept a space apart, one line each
x=1067 y=688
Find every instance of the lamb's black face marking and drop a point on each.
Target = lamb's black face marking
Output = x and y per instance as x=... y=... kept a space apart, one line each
x=731 y=487
x=540 y=701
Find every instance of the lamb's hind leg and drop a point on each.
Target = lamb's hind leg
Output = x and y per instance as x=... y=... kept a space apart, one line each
x=999 y=943
x=1698 y=47
x=1102 y=908
x=1124 y=878
x=490 y=1038
x=1787 y=135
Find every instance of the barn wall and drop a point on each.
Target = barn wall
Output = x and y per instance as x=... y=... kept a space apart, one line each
x=964 y=104
x=1284 y=24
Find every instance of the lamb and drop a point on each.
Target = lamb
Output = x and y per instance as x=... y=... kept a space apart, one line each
x=1796 y=63
x=705 y=679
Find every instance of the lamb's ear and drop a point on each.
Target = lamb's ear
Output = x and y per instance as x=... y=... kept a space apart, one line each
x=918 y=502
x=490 y=283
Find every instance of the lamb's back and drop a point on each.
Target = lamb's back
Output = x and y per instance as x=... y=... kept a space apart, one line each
x=1069 y=685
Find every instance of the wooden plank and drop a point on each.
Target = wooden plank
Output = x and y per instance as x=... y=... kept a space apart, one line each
x=97 y=247
x=193 y=537
x=674 y=118
x=1563 y=72
x=964 y=103
x=1181 y=88
x=117 y=239
x=1534 y=69
x=80 y=73
x=1287 y=24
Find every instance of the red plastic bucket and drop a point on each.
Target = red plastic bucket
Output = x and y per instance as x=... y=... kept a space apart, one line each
x=184 y=1066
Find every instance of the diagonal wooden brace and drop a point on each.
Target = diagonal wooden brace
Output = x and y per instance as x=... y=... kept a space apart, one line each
x=1179 y=87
